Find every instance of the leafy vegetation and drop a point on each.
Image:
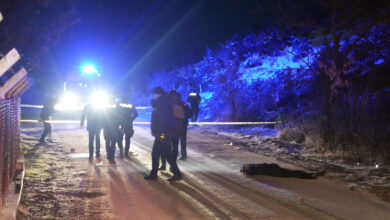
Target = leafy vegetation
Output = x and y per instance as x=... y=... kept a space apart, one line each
x=323 y=73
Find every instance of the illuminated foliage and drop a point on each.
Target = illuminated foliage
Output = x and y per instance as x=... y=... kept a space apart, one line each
x=246 y=78
x=324 y=71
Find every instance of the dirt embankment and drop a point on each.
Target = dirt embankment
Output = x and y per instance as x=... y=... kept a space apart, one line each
x=56 y=187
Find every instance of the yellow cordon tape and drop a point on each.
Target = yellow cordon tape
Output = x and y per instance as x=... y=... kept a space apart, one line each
x=147 y=122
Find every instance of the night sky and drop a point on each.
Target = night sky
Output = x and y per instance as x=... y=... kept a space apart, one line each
x=135 y=38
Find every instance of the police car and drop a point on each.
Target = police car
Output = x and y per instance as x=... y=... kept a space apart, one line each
x=81 y=89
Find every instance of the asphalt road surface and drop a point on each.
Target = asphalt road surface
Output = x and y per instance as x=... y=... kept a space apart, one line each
x=212 y=187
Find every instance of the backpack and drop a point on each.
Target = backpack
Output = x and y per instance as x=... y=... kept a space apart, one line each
x=178 y=119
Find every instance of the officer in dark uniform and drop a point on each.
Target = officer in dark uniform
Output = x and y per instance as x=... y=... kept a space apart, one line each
x=194 y=100
x=46 y=112
x=94 y=127
x=128 y=113
x=161 y=130
x=110 y=123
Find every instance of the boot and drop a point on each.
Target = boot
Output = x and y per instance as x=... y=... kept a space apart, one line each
x=151 y=177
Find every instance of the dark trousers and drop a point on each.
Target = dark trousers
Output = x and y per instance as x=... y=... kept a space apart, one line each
x=110 y=148
x=183 y=144
x=175 y=147
x=195 y=112
x=46 y=131
x=162 y=147
x=127 y=134
x=94 y=135
x=111 y=138
x=120 y=141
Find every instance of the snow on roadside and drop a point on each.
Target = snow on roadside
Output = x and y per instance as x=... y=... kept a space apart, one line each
x=55 y=187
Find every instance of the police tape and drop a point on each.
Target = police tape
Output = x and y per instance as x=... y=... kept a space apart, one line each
x=41 y=106
x=31 y=106
x=68 y=121
x=147 y=122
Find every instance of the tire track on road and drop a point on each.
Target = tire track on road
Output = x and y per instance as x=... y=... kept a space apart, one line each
x=157 y=189
x=191 y=195
x=207 y=196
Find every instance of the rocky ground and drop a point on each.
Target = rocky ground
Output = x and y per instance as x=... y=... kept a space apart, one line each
x=373 y=178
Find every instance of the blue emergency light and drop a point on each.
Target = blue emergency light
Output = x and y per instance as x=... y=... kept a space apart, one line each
x=89 y=70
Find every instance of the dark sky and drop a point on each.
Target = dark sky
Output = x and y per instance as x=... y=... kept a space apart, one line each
x=137 y=37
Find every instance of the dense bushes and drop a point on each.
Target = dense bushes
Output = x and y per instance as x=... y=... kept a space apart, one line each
x=263 y=76
x=248 y=78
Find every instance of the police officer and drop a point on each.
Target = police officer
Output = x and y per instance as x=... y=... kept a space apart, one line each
x=180 y=112
x=194 y=100
x=177 y=121
x=161 y=130
x=46 y=112
x=183 y=133
x=128 y=113
x=110 y=123
x=94 y=127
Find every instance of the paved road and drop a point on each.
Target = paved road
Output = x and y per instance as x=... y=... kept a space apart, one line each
x=212 y=188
